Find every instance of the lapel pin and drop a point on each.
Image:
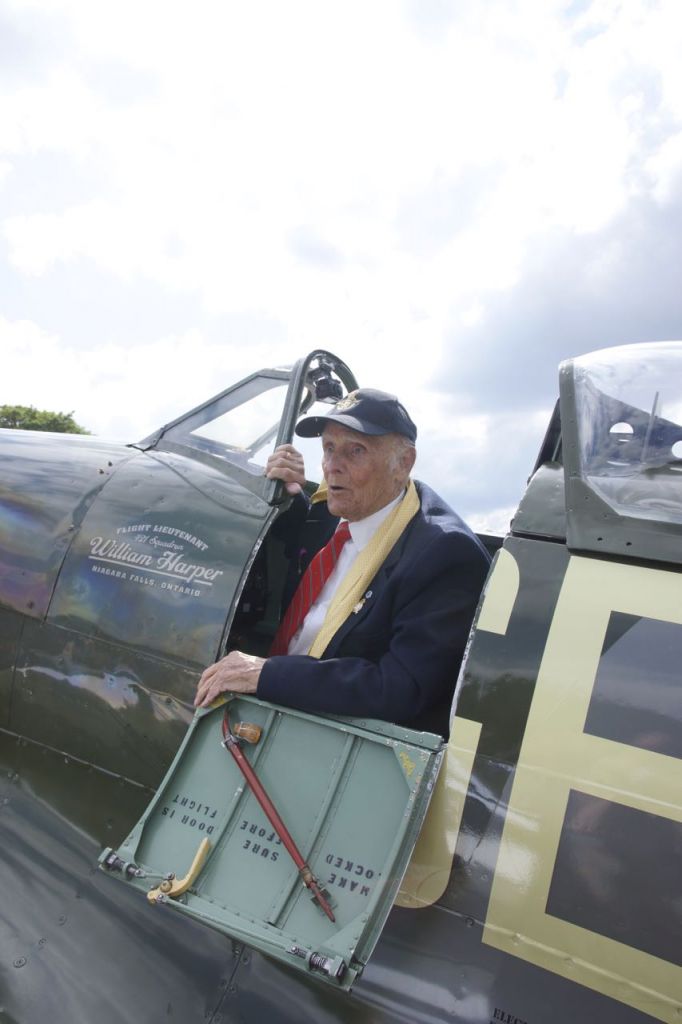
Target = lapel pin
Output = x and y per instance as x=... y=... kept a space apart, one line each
x=358 y=606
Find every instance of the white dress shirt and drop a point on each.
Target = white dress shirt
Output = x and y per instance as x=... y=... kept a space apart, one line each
x=361 y=533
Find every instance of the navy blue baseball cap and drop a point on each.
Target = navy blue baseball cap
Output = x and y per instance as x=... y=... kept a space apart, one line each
x=366 y=410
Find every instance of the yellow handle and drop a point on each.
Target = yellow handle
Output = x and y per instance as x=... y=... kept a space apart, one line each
x=173 y=887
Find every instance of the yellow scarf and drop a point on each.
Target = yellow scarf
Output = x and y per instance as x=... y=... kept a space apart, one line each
x=348 y=596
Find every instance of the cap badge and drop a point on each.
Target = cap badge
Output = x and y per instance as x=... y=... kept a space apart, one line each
x=346 y=403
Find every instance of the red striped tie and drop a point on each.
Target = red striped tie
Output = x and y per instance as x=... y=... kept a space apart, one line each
x=308 y=590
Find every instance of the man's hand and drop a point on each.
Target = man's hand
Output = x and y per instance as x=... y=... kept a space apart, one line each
x=287 y=464
x=237 y=672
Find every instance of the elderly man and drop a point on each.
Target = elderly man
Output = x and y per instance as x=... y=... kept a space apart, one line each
x=379 y=622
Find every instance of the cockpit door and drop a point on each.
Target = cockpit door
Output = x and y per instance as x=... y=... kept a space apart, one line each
x=351 y=794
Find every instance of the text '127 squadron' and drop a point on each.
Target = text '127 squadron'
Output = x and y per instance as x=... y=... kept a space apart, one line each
x=528 y=870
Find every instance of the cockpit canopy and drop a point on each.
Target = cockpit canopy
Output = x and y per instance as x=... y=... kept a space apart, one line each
x=621 y=425
x=629 y=427
x=242 y=425
x=608 y=478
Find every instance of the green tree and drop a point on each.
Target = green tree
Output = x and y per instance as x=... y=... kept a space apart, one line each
x=26 y=417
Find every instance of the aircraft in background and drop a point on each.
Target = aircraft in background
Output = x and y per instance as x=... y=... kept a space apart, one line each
x=546 y=881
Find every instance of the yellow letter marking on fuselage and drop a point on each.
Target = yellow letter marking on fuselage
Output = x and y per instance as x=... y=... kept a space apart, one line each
x=557 y=756
x=428 y=872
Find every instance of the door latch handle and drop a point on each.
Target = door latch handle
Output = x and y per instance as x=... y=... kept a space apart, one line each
x=172 y=887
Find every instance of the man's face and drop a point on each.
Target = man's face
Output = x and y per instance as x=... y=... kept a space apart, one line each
x=363 y=473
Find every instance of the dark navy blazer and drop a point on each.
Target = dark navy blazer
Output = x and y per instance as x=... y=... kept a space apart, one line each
x=397 y=658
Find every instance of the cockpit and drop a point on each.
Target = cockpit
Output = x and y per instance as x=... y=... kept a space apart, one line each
x=244 y=424
x=608 y=478
x=629 y=428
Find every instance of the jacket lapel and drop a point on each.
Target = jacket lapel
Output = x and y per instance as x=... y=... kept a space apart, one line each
x=372 y=594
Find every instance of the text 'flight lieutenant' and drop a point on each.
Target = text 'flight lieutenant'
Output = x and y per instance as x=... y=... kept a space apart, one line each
x=379 y=622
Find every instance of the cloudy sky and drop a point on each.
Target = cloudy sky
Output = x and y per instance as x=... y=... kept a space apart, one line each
x=452 y=195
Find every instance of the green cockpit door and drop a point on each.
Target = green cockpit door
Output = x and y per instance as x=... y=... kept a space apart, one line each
x=351 y=793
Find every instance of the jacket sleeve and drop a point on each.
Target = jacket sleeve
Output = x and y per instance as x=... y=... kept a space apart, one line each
x=403 y=659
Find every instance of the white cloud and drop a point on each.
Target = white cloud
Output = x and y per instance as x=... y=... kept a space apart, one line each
x=260 y=159
x=496 y=521
x=665 y=166
x=117 y=392
x=265 y=118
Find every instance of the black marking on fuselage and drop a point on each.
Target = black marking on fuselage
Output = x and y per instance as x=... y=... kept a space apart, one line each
x=637 y=695
x=617 y=873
